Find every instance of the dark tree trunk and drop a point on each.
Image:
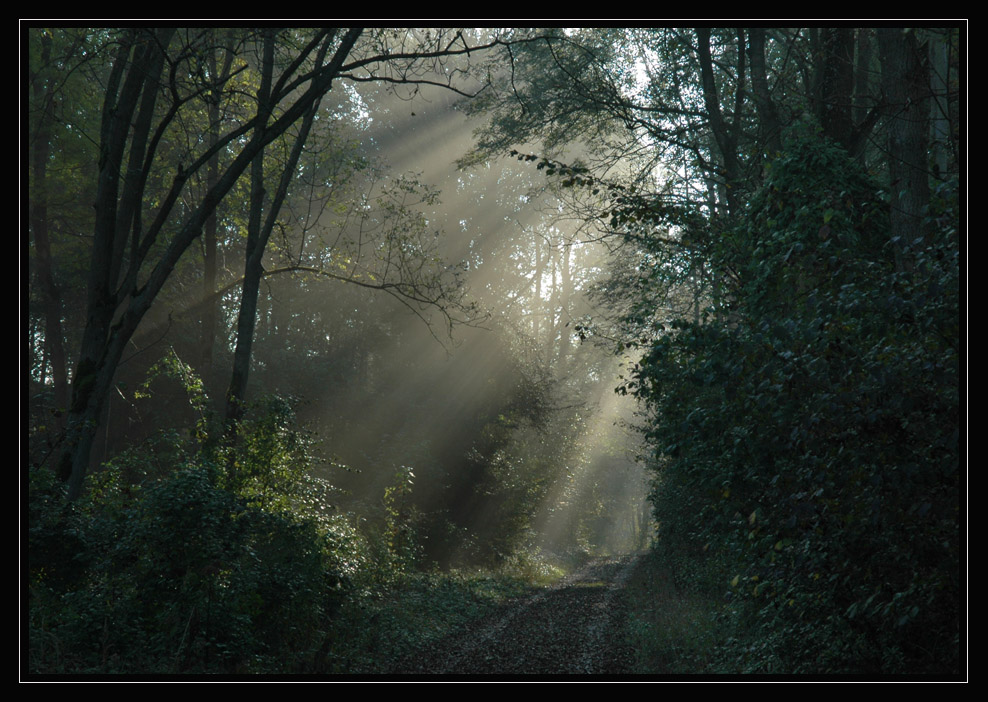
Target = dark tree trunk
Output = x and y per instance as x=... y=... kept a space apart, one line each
x=940 y=136
x=115 y=308
x=771 y=125
x=566 y=278
x=55 y=357
x=209 y=233
x=537 y=306
x=259 y=230
x=863 y=97
x=256 y=243
x=135 y=73
x=836 y=85
x=725 y=139
x=906 y=85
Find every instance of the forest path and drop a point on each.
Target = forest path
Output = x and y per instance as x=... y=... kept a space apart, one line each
x=571 y=627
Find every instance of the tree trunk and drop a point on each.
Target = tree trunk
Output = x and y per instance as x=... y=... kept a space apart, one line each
x=537 y=307
x=209 y=233
x=939 y=108
x=768 y=115
x=726 y=140
x=256 y=243
x=258 y=233
x=44 y=269
x=565 y=315
x=114 y=312
x=862 y=85
x=836 y=85
x=906 y=84
x=136 y=70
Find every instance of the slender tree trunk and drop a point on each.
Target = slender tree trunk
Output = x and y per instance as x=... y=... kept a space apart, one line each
x=566 y=277
x=939 y=107
x=552 y=324
x=54 y=344
x=726 y=141
x=537 y=307
x=768 y=115
x=862 y=72
x=836 y=85
x=208 y=329
x=259 y=230
x=906 y=84
x=256 y=243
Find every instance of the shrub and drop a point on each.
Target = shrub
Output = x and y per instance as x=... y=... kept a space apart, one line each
x=189 y=572
x=806 y=438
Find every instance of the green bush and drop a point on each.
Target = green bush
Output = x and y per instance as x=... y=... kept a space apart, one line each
x=192 y=572
x=806 y=436
x=190 y=578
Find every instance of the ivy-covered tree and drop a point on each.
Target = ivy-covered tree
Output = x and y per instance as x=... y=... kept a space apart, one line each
x=799 y=317
x=806 y=448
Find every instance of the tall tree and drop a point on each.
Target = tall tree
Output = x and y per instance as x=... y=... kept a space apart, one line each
x=43 y=97
x=811 y=429
x=259 y=230
x=153 y=79
x=906 y=84
x=133 y=125
x=693 y=112
x=210 y=232
x=59 y=196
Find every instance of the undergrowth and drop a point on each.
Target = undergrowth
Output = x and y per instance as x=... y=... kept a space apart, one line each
x=674 y=629
x=197 y=554
x=803 y=436
x=381 y=628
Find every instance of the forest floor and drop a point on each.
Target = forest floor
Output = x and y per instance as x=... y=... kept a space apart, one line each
x=571 y=627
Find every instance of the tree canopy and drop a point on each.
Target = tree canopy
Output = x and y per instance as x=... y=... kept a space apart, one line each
x=783 y=210
x=245 y=243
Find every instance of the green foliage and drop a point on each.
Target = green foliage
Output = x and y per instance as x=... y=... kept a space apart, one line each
x=385 y=628
x=816 y=224
x=190 y=577
x=514 y=470
x=172 y=367
x=806 y=444
x=400 y=538
x=673 y=629
x=56 y=549
x=231 y=562
x=193 y=568
x=269 y=457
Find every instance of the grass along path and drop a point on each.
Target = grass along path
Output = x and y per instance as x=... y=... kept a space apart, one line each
x=575 y=626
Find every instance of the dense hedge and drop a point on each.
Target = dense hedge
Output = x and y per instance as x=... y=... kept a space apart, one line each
x=806 y=434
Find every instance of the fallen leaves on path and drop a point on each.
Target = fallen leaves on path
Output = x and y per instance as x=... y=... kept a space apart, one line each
x=571 y=627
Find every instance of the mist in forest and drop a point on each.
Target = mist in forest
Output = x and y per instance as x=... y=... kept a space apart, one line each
x=508 y=425
x=476 y=398
x=341 y=337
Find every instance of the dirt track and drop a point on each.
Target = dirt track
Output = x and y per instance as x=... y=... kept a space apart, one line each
x=568 y=628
